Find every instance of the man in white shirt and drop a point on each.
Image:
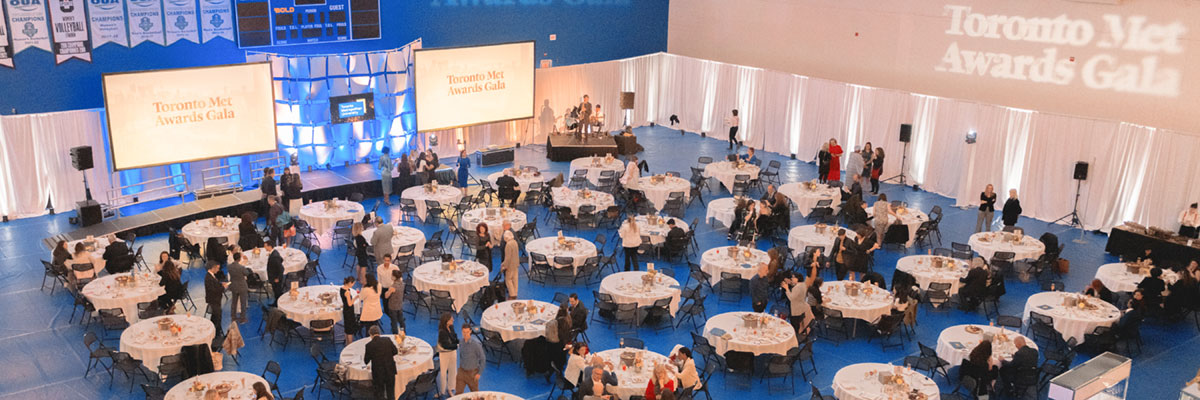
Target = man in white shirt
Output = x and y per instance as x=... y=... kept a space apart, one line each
x=383 y=273
x=733 y=128
x=632 y=172
x=1189 y=219
x=598 y=118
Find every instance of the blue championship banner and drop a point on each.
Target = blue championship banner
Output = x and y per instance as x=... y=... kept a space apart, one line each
x=179 y=21
x=69 y=26
x=145 y=21
x=216 y=19
x=27 y=22
x=107 y=21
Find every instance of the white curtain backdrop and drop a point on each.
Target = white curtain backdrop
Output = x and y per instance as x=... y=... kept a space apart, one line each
x=1137 y=173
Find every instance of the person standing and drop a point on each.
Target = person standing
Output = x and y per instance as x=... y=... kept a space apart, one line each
x=868 y=156
x=987 y=208
x=631 y=239
x=380 y=355
x=632 y=172
x=383 y=274
x=267 y=187
x=796 y=288
x=395 y=302
x=274 y=270
x=239 y=292
x=385 y=174
x=214 y=292
x=823 y=160
x=882 y=215
x=471 y=361
x=349 y=319
x=483 y=246
x=404 y=172
x=1189 y=219
x=733 y=122
x=1012 y=209
x=447 y=348
x=835 y=161
x=585 y=115
x=372 y=310
x=511 y=266
x=293 y=189
x=876 y=170
x=464 y=165
x=854 y=166
x=760 y=289
x=381 y=240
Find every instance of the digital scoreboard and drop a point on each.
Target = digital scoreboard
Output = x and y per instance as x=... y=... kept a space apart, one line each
x=286 y=22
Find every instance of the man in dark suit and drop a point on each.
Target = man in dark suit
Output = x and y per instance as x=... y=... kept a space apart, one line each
x=855 y=188
x=274 y=270
x=239 y=292
x=579 y=314
x=507 y=188
x=1023 y=359
x=117 y=258
x=837 y=255
x=974 y=287
x=214 y=292
x=874 y=278
x=380 y=355
x=676 y=238
x=1152 y=287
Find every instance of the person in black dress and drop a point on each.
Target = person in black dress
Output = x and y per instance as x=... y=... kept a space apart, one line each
x=483 y=251
x=404 y=170
x=172 y=285
x=978 y=366
x=1012 y=209
x=349 y=319
x=360 y=250
x=824 y=157
x=876 y=170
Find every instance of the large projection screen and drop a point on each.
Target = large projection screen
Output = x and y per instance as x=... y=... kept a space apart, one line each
x=180 y=115
x=466 y=86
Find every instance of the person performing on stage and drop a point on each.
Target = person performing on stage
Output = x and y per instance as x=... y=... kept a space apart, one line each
x=598 y=119
x=585 y=115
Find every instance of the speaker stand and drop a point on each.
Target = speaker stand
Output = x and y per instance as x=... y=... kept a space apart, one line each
x=87 y=189
x=903 y=160
x=1074 y=215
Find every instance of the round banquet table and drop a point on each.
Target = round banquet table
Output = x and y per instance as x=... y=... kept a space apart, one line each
x=626 y=287
x=402 y=236
x=657 y=231
x=241 y=382
x=570 y=198
x=726 y=171
x=98 y=245
x=523 y=180
x=502 y=319
x=954 y=344
x=293 y=260
x=1118 y=279
x=921 y=268
x=199 y=231
x=657 y=193
x=777 y=338
x=548 y=246
x=861 y=382
x=416 y=357
x=911 y=217
x=105 y=293
x=322 y=219
x=716 y=260
x=867 y=307
x=721 y=210
x=803 y=236
x=447 y=196
x=307 y=306
x=805 y=199
x=1072 y=322
x=630 y=380
x=494 y=217
x=986 y=244
x=594 y=165
x=464 y=281
x=486 y=395
x=146 y=342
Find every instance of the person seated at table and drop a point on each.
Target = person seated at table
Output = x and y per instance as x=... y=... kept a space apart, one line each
x=1145 y=256
x=1024 y=358
x=874 y=278
x=1152 y=288
x=766 y=220
x=974 y=285
x=507 y=188
x=749 y=157
x=855 y=212
x=61 y=254
x=170 y=280
x=739 y=216
x=1050 y=241
x=686 y=369
x=1193 y=269
x=597 y=383
x=769 y=195
x=782 y=211
x=83 y=256
x=1181 y=295
x=659 y=383
x=676 y=240
x=261 y=392
x=576 y=362
x=117 y=257
x=978 y=365
x=632 y=172
x=1098 y=290
x=855 y=189
x=760 y=289
x=578 y=314
x=900 y=297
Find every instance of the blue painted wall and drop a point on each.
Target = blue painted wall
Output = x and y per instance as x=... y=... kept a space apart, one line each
x=587 y=31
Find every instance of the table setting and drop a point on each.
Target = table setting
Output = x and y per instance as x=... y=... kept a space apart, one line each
x=578 y=249
x=402 y=236
x=234 y=385
x=293 y=260
x=461 y=278
x=571 y=198
x=494 y=217
x=124 y=291
x=311 y=303
x=518 y=319
x=857 y=300
x=486 y=395
x=634 y=368
x=755 y=333
x=655 y=226
x=323 y=215
x=955 y=343
x=658 y=188
x=595 y=165
x=199 y=231
x=414 y=358
x=805 y=195
x=986 y=244
x=911 y=217
x=524 y=177
x=94 y=245
x=726 y=171
x=800 y=237
x=1075 y=315
x=151 y=339
x=876 y=381
x=1125 y=277
x=447 y=196
x=739 y=260
x=721 y=210
x=927 y=269
x=642 y=288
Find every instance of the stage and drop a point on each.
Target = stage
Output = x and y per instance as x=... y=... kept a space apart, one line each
x=566 y=147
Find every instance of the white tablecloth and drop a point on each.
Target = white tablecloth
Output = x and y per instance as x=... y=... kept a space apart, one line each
x=803 y=236
x=322 y=220
x=494 y=220
x=658 y=231
x=416 y=358
x=145 y=341
x=721 y=210
x=805 y=199
x=988 y=243
x=547 y=246
x=716 y=260
x=199 y=231
x=461 y=283
x=402 y=236
x=776 y=338
x=293 y=260
x=100 y=243
x=921 y=268
x=572 y=199
x=861 y=382
x=632 y=381
x=241 y=382
x=1072 y=322
x=626 y=287
x=594 y=165
x=1118 y=279
x=523 y=180
x=909 y=216
x=726 y=171
x=308 y=307
x=447 y=196
x=657 y=193
x=486 y=395
x=865 y=307
x=501 y=318
x=104 y=293
x=954 y=344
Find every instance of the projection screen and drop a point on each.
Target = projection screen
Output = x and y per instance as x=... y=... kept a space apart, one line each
x=466 y=86
x=180 y=115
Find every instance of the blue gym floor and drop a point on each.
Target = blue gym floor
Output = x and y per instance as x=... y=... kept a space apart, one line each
x=43 y=356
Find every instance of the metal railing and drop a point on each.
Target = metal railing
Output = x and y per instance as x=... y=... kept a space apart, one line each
x=274 y=160
x=154 y=189
x=218 y=178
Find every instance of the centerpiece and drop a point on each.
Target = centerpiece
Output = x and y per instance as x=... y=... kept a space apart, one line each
x=820 y=228
x=657 y=179
x=752 y=321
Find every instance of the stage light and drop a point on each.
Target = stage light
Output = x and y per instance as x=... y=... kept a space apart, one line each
x=971 y=137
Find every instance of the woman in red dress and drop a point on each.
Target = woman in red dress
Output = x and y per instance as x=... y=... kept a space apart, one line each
x=835 y=164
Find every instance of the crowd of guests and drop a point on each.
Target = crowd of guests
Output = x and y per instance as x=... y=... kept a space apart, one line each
x=753 y=219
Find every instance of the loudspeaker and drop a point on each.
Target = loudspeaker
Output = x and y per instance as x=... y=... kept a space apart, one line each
x=1081 y=169
x=626 y=100
x=81 y=157
x=905 y=133
x=88 y=212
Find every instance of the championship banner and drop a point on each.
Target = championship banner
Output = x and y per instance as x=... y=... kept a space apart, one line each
x=5 y=41
x=145 y=21
x=70 y=29
x=27 y=22
x=180 y=21
x=216 y=18
x=107 y=20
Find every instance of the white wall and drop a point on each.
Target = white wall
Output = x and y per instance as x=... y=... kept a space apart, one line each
x=903 y=44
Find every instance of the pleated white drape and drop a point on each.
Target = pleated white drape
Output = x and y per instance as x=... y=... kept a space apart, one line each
x=34 y=154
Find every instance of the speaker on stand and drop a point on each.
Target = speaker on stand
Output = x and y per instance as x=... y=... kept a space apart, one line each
x=905 y=137
x=88 y=211
x=1080 y=174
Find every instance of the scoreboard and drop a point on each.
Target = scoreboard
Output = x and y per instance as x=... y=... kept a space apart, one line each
x=287 y=22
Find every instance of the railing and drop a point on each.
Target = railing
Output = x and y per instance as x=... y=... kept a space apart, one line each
x=160 y=188
x=217 y=178
x=274 y=160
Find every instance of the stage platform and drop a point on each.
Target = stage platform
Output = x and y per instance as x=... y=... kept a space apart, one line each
x=568 y=147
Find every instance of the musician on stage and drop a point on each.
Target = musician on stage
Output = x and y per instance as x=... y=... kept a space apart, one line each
x=585 y=115
x=598 y=119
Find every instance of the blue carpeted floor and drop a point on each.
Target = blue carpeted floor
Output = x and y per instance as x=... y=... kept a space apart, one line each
x=44 y=357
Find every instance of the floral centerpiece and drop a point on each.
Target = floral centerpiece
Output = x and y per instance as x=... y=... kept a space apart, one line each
x=820 y=228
